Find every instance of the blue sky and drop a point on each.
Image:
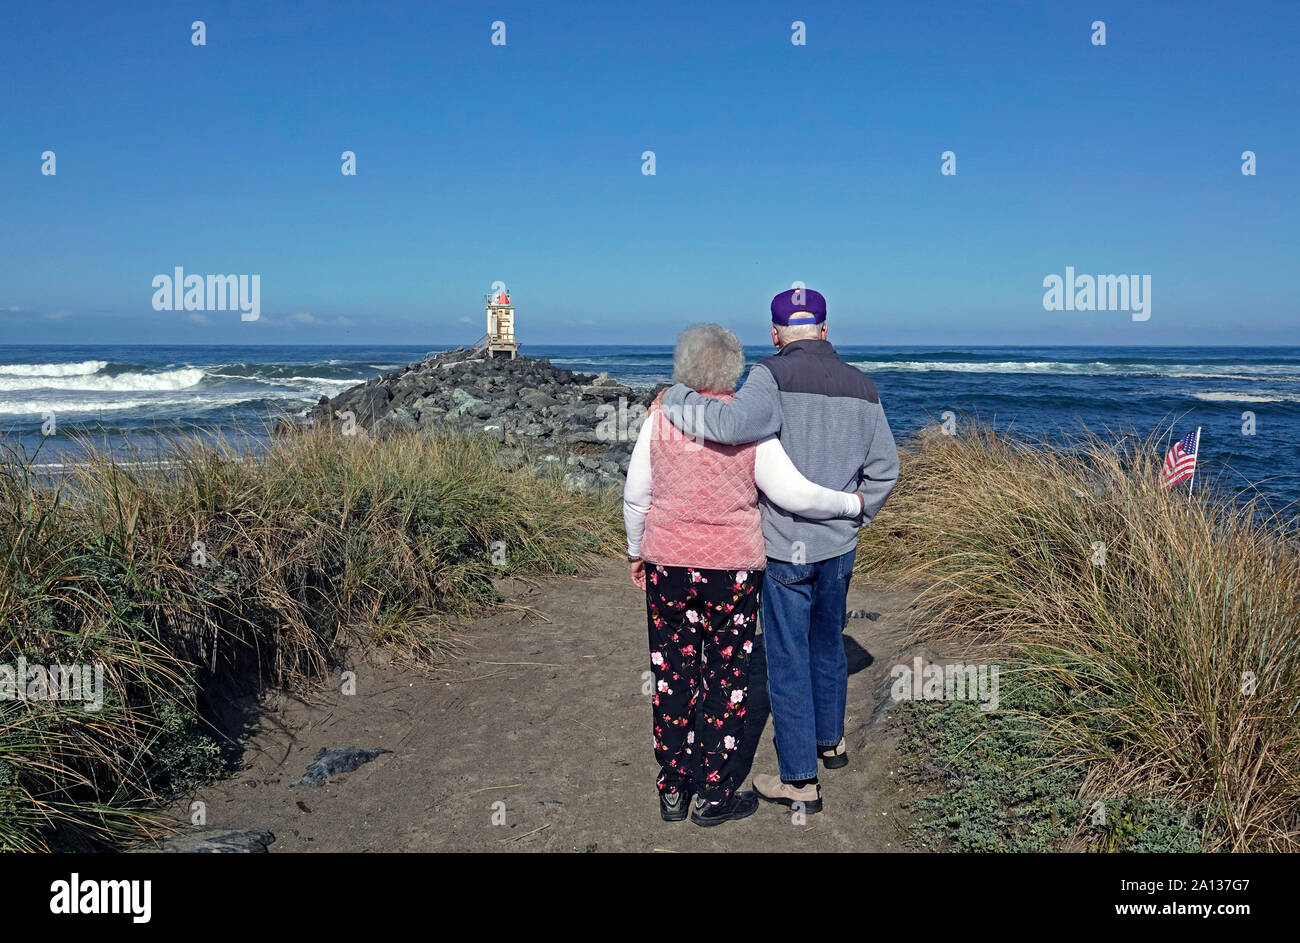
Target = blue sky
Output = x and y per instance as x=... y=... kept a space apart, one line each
x=774 y=162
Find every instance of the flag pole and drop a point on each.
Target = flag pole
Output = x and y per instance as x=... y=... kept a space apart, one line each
x=1196 y=460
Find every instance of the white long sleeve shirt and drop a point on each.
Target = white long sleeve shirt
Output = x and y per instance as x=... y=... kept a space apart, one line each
x=774 y=474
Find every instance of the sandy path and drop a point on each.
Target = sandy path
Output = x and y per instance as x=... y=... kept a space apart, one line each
x=545 y=712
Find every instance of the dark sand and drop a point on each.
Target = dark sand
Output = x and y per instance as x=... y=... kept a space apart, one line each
x=544 y=711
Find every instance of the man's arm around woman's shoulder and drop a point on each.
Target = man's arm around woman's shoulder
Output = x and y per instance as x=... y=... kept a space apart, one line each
x=753 y=413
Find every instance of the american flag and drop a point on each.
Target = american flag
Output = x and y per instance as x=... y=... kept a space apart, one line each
x=1180 y=463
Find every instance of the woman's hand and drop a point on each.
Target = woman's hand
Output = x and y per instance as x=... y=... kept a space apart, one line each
x=638 y=573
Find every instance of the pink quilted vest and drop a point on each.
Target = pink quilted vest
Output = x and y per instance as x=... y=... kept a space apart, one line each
x=704 y=504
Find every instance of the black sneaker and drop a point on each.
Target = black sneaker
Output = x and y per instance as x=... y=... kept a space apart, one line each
x=674 y=805
x=740 y=805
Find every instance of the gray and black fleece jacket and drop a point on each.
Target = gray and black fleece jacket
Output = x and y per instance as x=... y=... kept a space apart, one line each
x=830 y=422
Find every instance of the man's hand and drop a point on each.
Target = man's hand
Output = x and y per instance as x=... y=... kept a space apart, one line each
x=638 y=574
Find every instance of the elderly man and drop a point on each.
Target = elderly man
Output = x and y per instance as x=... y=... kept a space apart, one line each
x=828 y=417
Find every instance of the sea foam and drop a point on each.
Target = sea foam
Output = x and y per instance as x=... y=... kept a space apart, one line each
x=82 y=368
x=107 y=383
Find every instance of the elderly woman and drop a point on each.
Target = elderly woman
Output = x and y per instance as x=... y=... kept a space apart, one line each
x=695 y=546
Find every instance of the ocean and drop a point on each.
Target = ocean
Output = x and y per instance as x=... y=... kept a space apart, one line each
x=1246 y=399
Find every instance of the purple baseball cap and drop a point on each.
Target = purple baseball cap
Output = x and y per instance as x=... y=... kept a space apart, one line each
x=798 y=306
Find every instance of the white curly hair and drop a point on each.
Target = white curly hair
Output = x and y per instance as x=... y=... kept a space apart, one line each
x=708 y=357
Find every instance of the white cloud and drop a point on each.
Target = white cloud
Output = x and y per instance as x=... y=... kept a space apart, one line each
x=305 y=317
x=346 y=322
x=58 y=315
x=196 y=318
x=466 y=321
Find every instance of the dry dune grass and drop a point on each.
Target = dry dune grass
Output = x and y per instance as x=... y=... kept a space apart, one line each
x=221 y=563
x=1174 y=659
x=1175 y=653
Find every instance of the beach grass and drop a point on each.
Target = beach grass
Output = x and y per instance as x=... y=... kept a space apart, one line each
x=1150 y=641
x=1161 y=632
x=272 y=565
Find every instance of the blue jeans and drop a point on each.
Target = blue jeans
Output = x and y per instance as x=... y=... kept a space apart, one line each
x=807 y=671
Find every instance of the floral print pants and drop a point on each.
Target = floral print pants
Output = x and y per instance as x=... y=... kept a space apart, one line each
x=701 y=626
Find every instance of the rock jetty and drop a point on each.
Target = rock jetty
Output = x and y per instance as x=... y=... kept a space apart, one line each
x=542 y=414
